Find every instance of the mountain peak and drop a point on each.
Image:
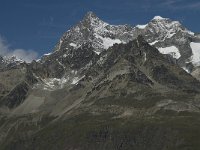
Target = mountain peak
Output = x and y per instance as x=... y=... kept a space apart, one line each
x=91 y=19
x=158 y=18
x=90 y=15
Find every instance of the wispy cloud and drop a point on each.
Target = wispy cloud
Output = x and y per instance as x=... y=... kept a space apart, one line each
x=193 y=6
x=26 y=55
x=181 y=4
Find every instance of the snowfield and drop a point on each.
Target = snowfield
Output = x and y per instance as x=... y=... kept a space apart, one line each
x=195 y=59
x=172 y=50
x=108 y=42
x=141 y=26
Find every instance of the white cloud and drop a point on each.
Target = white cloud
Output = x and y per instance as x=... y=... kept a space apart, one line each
x=26 y=55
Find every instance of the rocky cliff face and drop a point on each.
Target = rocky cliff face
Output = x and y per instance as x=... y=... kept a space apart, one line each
x=105 y=87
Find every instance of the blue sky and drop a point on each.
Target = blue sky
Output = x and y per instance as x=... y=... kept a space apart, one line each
x=36 y=25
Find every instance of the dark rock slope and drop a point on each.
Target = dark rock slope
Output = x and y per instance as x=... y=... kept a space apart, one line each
x=130 y=97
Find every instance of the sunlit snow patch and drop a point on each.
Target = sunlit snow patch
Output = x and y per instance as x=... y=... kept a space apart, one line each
x=54 y=83
x=141 y=26
x=172 y=50
x=184 y=68
x=73 y=44
x=76 y=80
x=97 y=52
x=153 y=43
x=108 y=42
x=47 y=54
x=195 y=59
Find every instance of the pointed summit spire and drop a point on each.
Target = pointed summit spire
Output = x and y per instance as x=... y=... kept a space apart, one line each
x=91 y=19
x=90 y=15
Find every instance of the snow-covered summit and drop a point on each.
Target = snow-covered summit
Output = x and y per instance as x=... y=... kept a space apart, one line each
x=165 y=28
x=90 y=15
x=96 y=31
x=158 y=18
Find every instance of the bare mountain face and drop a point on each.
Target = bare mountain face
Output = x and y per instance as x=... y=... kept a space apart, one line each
x=105 y=87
